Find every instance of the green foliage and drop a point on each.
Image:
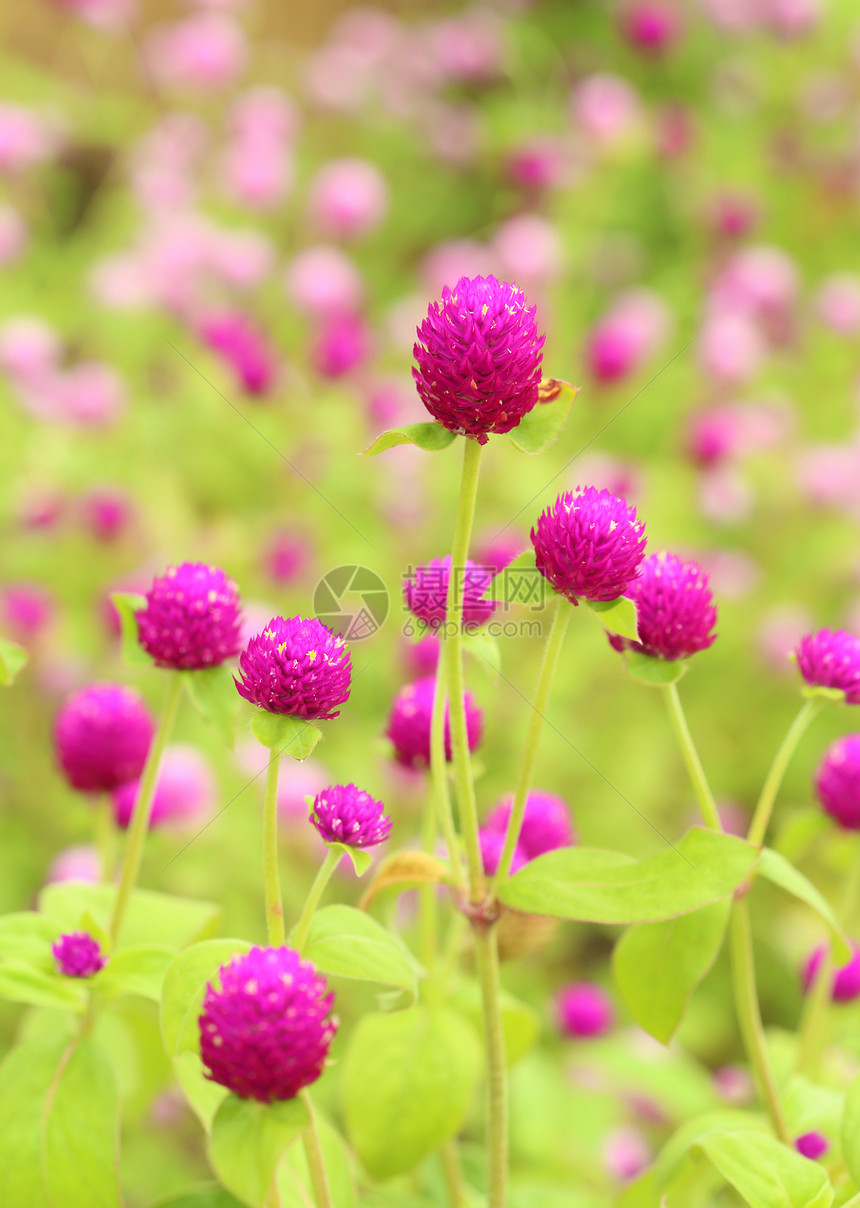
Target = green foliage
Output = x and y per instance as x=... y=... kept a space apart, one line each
x=13 y=659
x=212 y=1196
x=346 y=942
x=185 y=983
x=156 y=919
x=293 y=736
x=598 y=886
x=212 y=691
x=128 y=605
x=294 y=1183
x=431 y=437
x=776 y=869
x=248 y=1139
x=765 y=1173
x=520 y=1022
x=485 y=651
x=617 y=616
x=851 y=1131
x=359 y=857
x=538 y=429
x=407 y=1082
x=138 y=969
x=21 y=982
x=656 y=673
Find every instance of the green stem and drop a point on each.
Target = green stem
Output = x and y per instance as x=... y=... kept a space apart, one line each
x=453 y=1174
x=105 y=835
x=314 y=1156
x=764 y=809
x=439 y=774
x=487 y=961
x=271 y=869
x=452 y=653
x=704 y=796
x=552 y=650
x=749 y=1015
x=143 y=806
x=814 y=1018
x=327 y=867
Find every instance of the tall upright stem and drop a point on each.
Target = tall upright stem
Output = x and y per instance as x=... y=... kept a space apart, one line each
x=439 y=772
x=704 y=796
x=105 y=834
x=143 y=806
x=314 y=1156
x=452 y=653
x=764 y=809
x=749 y=1015
x=315 y=892
x=487 y=961
x=271 y=870
x=552 y=650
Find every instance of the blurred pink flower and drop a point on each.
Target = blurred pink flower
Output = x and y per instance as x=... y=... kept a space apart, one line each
x=468 y=46
x=627 y=335
x=446 y=263
x=838 y=303
x=26 y=138
x=348 y=198
x=536 y=164
x=29 y=348
x=244 y=348
x=264 y=112
x=26 y=611
x=107 y=512
x=626 y=1153
x=86 y=395
x=828 y=476
x=184 y=793
x=102 y=14
x=528 y=250
x=725 y=495
x=605 y=107
x=207 y=50
x=609 y=473
x=731 y=350
x=323 y=280
x=652 y=26
x=13 y=234
x=342 y=343
x=78 y=863
x=285 y=556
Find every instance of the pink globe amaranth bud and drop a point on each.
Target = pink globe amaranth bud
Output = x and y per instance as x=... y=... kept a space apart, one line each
x=79 y=863
x=265 y=1029
x=26 y=611
x=605 y=107
x=102 y=737
x=546 y=823
x=812 y=1145
x=537 y=164
x=425 y=590
x=77 y=954
x=830 y=658
x=342 y=344
x=244 y=349
x=343 y=813
x=348 y=198
x=626 y=1153
x=589 y=545
x=652 y=26
x=323 y=281
x=107 y=512
x=492 y=844
x=285 y=556
x=837 y=781
x=184 y=790
x=192 y=618
x=674 y=608
x=297 y=667
x=583 y=1009
x=845 y=979
x=409 y=723
x=479 y=358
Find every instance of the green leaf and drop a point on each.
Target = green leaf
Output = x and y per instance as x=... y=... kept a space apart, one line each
x=408 y=1082
x=12 y=659
x=22 y=982
x=597 y=886
x=247 y=1140
x=658 y=965
x=138 y=969
x=58 y=1126
x=765 y=1173
x=656 y=673
x=776 y=869
x=204 y=1096
x=428 y=436
x=360 y=859
x=851 y=1130
x=345 y=942
x=404 y=870
x=617 y=616
x=128 y=604
x=816 y=692
x=294 y=1182
x=212 y=691
x=538 y=429
x=154 y=919
x=28 y=936
x=485 y=651
x=520 y=1022
x=520 y=582
x=210 y=1196
x=184 y=986
x=292 y=736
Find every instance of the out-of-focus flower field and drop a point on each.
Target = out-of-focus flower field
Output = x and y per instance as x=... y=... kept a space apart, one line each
x=217 y=237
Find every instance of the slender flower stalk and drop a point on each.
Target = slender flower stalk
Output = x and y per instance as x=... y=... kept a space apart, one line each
x=487 y=961
x=271 y=872
x=812 y=1027
x=105 y=836
x=453 y=1174
x=143 y=807
x=552 y=650
x=314 y=1157
x=749 y=1016
x=704 y=796
x=764 y=808
x=452 y=654
x=439 y=775
x=322 y=878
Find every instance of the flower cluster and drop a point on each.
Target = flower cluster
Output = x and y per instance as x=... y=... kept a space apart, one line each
x=546 y=826
x=102 y=736
x=191 y=619
x=831 y=659
x=837 y=781
x=77 y=954
x=345 y=814
x=297 y=667
x=426 y=592
x=674 y=609
x=410 y=718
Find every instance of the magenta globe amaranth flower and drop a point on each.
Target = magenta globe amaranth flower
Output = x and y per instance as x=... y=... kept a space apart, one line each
x=102 y=737
x=583 y=1009
x=410 y=718
x=812 y=1145
x=492 y=843
x=479 y=358
x=192 y=618
x=674 y=609
x=345 y=814
x=425 y=590
x=298 y=667
x=845 y=979
x=546 y=823
x=589 y=545
x=830 y=658
x=265 y=1031
x=77 y=954
x=837 y=782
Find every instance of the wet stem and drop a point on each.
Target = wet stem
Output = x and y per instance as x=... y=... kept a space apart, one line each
x=137 y=831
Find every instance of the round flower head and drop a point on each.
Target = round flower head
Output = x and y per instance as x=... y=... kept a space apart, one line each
x=830 y=658
x=343 y=813
x=102 y=736
x=837 y=781
x=583 y=1009
x=674 y=608
x=264 y=1034
x=546 y=823
x=191 y=619
x=409 y=723
x=589 y=545
x=845 y=979
x=77 y=954
x=298 y=667
x=492 y=844
x=812 y=1145
x=426 y=592
x=479 y=358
